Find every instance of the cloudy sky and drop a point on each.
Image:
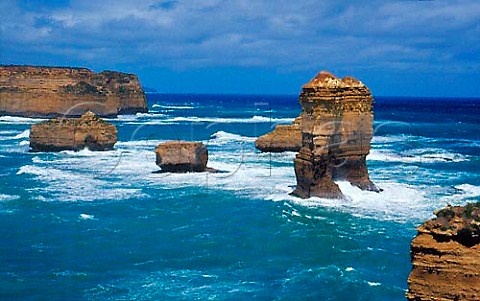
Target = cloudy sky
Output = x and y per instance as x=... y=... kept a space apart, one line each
x=409 y=48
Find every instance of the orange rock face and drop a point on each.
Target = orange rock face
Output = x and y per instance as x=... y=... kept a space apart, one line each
x=283 y=138
x=337 y=127
x=57 y=91
x=446 y=256
x=59 y=134
x=182 y=156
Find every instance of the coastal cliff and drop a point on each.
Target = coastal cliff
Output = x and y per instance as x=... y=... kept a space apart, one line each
x=59 y=134
x=337 y=127
x=60 y=91
x=445 y=256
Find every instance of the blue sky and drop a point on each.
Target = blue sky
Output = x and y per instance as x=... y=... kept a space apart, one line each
x=407 y=48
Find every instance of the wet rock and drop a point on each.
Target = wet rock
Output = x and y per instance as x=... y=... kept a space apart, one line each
x=182 y=156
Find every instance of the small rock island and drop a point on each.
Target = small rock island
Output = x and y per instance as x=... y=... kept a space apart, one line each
x=34 y=91
x=182 y=156
x=88 y=131
x=337 y=127
x=445 y=256
x=284 y=138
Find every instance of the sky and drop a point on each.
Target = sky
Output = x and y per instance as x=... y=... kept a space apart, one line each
x=397 y=48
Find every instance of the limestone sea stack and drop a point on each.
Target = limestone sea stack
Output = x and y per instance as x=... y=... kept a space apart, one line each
x=445 y=256
x=285 y=137
x=59 y=134
x=337 y=128
x=60 y=91
x=182 y=156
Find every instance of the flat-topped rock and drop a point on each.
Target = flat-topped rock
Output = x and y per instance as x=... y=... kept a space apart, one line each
x=283 y=138
x=61 y=91
x=336 y=127
x=182 y=156
x=88 y=131
x=445 y=256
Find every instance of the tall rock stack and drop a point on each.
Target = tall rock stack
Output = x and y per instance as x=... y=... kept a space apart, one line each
x=336 y=133
x=446 y=256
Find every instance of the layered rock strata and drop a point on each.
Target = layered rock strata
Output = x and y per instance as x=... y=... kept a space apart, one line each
x=182 y=156
x=445 y=256
x=283 y=138
x=59 y=91
x=337 y=127
x=59 y=134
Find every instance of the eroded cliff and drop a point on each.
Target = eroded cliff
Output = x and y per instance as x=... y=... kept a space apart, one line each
x=59 y=91
x=446 y=256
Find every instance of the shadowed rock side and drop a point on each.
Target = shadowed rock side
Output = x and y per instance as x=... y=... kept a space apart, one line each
x=446 y=256
x=282 y=139
x=337 y=127
x=182 y=156
x=59 y=134
x=55 y=91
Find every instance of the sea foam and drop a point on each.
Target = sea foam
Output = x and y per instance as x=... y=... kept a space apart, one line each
x=154 y=120
x=221 y=138
x=7 y=197
x=174 y=107
x=19 y=120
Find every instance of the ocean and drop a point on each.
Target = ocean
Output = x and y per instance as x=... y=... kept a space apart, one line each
x=104 y=226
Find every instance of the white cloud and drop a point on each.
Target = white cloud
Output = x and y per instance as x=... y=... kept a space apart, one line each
x=281 y=34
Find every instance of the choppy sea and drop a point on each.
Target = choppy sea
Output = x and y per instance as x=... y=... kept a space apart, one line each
x=104 y=226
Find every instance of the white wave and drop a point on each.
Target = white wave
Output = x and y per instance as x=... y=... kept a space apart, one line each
x=24 y=134
x=174 y=107
x=136 y=117
x=86 y=153
x=19 y=120
x=430 y=155
x=469 y=190
x=9 y=133
x=7 y=197
x=398 y=202
x=86 y=216
x=196 y=119
x=221 y=138
x=138 y=144
x=373 y=283
x=390 y=139
x=150 y=115
x=74 y=185
x=24 y=143
x=123 y=118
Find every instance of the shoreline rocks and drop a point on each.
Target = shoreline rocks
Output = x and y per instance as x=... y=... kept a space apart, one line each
x=337 y=127
x=445 y=256
x=181 y=156
x=36 y=91
x=59 y=134
x=282 y=139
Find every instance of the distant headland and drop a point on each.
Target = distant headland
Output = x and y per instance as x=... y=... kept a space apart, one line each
x=42 y=91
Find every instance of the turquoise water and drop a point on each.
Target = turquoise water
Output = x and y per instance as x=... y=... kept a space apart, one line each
x=104 y=226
